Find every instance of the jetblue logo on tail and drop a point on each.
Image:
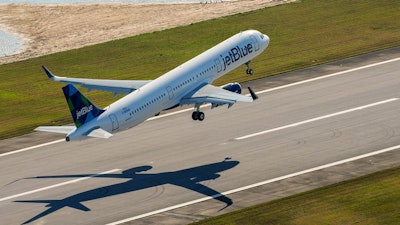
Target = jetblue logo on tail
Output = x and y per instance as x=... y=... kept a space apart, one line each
x=236 y=54
x=83 y=111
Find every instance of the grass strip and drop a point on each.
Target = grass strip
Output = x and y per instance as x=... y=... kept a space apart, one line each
x=302 y=34
x=370 y=199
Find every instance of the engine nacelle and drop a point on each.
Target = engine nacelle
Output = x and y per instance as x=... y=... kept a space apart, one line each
x=233 y=87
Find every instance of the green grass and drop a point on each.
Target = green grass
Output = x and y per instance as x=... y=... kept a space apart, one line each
x=302 y=34
x=371 y=199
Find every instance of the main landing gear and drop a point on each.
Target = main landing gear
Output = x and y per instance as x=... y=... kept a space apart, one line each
x=197 y=115
x=249 y=71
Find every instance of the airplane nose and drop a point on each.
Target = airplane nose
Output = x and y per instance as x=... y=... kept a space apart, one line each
x=266 y=38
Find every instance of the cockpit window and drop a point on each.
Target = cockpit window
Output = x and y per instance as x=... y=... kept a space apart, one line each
x=262 y=36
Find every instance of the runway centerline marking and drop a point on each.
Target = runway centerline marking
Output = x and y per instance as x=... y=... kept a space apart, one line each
x=58 y=185
x=259 y=92
x=316 y=119
x=256 y=185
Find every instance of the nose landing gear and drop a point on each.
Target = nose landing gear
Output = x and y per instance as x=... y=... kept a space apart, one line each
x=249 y=71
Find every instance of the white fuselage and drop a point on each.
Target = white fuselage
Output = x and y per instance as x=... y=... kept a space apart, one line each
x=168 y=90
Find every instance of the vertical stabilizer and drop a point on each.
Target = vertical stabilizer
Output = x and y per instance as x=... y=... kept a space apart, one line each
x=82 y=109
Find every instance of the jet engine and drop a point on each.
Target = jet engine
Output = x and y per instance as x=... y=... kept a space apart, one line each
x=233 y=87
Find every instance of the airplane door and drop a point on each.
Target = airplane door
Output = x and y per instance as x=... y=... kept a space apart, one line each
x=218 y=64
x=170 y=92
x=255 y=42
x=114 y=122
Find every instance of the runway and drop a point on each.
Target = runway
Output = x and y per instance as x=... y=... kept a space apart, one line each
x=170 y=161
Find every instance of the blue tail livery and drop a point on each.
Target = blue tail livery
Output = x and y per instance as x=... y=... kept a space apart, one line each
x=82 y=109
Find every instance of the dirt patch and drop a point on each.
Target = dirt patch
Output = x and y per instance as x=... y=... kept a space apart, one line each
x=47 y=29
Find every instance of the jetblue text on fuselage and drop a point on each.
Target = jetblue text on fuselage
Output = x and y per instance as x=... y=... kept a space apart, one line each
x=235 y=54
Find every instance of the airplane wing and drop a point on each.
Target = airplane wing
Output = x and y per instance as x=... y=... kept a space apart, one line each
x=115 y=86
x=216 y=96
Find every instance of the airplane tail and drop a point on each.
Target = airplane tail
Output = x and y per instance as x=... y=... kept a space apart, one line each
x=82 y=109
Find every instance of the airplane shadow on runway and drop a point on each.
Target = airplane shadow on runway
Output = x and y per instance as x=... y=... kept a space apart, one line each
x=187 y=178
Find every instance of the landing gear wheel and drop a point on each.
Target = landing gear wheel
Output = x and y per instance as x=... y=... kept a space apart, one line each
x=198 y=116
x=195 y=115
x=249 y=72
x=201 y=116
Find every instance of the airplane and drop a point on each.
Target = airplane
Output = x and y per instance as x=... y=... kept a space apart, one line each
x=187 y=84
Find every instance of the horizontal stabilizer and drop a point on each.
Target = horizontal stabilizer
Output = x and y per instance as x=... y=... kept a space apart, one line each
x=56 y=129
x=99 y=133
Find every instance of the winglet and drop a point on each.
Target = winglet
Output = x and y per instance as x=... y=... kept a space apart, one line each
x=49 y=74
x=253 y=95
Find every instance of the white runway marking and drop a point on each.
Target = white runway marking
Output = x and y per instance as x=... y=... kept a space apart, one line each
x=58 y=185
x=32 y=147
x=316 y=119
x=328 y=76
x=260 y=92
x=257 y=184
